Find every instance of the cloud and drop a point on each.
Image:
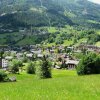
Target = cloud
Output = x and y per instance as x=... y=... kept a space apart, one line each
x=95 y=1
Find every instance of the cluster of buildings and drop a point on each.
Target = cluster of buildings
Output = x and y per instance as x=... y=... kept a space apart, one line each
x=89 y=48
x=54 y=54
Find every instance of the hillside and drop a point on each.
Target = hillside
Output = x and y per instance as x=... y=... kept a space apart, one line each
x=20 y=13
x=32 y=16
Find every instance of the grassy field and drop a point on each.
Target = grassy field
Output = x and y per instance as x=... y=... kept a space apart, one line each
x=65 y=85
x=98 y=44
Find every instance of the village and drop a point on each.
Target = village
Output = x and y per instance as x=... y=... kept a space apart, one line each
x=60 y=56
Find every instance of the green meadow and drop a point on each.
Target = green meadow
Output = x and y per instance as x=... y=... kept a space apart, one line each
x=65 y=85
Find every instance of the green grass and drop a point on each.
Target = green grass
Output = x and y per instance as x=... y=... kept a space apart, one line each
x=52 y=29
x=94 y=22
x=65 y=85
x=27 y=40
x=50 y=44
x=98 y=31
x=97 y=44
x=83 y=40
x=67 y=42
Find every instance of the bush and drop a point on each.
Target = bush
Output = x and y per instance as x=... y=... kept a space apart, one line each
x=30 y=68
x=3 y=76
x=90 y=64
x=43 y=70
x=25 y=59
x=14 y=66
x=15 y=69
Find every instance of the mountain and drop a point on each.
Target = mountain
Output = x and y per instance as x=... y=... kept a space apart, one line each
x=16 y=15
x=82 y=12
x=21 y=13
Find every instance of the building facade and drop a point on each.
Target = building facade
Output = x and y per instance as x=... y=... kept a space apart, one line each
x=4 y=63
x=0 y=63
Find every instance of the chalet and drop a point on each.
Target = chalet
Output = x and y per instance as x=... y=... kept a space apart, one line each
x=19 y=55
x=14 y=52
x=30 y=55
x=8 y=57
x=40 y=55
x=70 y=48
x=36 y=51
x=71 y=64
x=52 y=51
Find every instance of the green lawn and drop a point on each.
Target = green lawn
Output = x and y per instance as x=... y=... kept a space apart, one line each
x=67 y=43
x=98 y=43
x=65 y=85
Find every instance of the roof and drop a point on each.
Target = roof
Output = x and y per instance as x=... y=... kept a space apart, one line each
x=72 y=62
x=29 y=55
x=40 y=55
x=9 y=57
x=36 y=52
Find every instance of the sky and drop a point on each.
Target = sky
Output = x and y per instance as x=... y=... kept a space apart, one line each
x=95 y=1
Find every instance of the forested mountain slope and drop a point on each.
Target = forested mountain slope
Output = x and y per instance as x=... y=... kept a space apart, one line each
x=21 y=13
x=16 y=15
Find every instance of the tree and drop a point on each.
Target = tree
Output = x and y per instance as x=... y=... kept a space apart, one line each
x=25 y=59
x=1 y=53
x=43 y=70
x=63 y=65
x=31 y=68
x=20 y=64
x=14 y=66
x=90 y=64
x=60 y=59
x=3 y=76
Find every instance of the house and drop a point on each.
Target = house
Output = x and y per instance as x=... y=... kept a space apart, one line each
x=5 y=63
x=40 y=55
x=8 y=57
x=0 y=62
x=70 y=48
x=36 y=51
x=13 y=52
x=71 y=64
x=52 y=51
x=19 y=55
x=30 y=55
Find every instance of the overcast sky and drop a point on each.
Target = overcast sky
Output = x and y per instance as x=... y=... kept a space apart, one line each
x=95 y=1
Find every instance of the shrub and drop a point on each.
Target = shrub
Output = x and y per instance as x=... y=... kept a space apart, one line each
x=90 y=64
x=14 y=66
x=43 y=70
x=30 y=68
x=25 y=59
x=14 y=69
x=3 y=76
